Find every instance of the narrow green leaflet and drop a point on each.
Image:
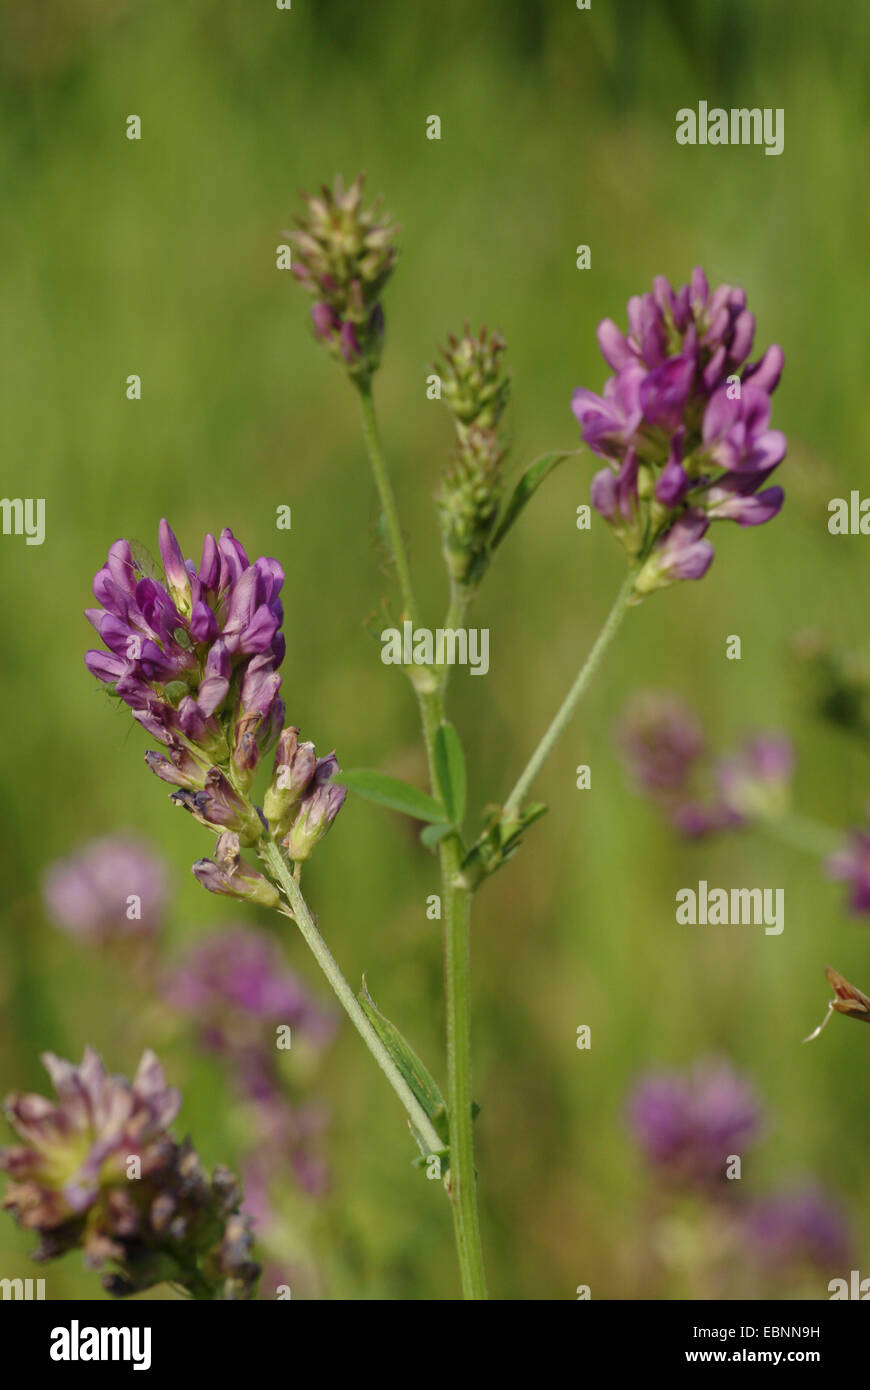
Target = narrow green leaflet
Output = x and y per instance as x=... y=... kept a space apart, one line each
x=420 y=1080
x=389 y=791
x=525 y=490
x=450 y=772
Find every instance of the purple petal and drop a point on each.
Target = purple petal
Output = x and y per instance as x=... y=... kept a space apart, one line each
x=700 y=290
x=768 y=370
x=203 y=623
x=665 y=391
x=174 y=567
x=103 y=666
x=614 y=346
x=604 y=493
x=741 y=341
x=752 y=510
x=209 y=570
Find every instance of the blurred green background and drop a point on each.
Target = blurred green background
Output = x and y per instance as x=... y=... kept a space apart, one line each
x=157 y=257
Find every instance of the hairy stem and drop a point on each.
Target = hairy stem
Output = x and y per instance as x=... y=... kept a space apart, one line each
x=388 y=501
x=281 y=872
x=457 y=975
x=456 y=908
x=566 y=710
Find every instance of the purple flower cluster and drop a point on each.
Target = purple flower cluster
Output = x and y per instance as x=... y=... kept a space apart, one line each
x=195 y=657
x=235 y=985
x=688 y=1125
x=661 y=742
x=754 y=781
x=98 y=1169
x=112 y=889
x=803 y=1227
x=667 y=756
x=684 y=424
x=851 y=865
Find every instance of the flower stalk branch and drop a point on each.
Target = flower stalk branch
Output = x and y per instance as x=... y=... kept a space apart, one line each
x=566 y=710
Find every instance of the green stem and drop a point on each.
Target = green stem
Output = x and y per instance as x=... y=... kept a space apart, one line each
x=457 y=975
x=281 y=872
x=572 y=699
x=454 y=619
x=430 y=714
x=457 y=982
x=456 y=907
x=388 y=501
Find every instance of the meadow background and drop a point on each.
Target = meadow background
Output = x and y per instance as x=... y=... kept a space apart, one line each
x=158 y=257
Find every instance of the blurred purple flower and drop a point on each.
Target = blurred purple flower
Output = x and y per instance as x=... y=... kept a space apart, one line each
x=665 y=753
x=683 y=425
x=236 y=989
x=663 y=747
x=235 y=978
x=286 y=1133
x=755 y=781
x=687 y=1124
x=113 y=888
x=802 y=1227
x=851 y=864
x=661 y=741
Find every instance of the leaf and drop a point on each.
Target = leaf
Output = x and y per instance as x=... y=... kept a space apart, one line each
x=450 y=772
x=525 y=490
x=420 y=1080
x=389 y=791
x=432 y=835
x=498 y=841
